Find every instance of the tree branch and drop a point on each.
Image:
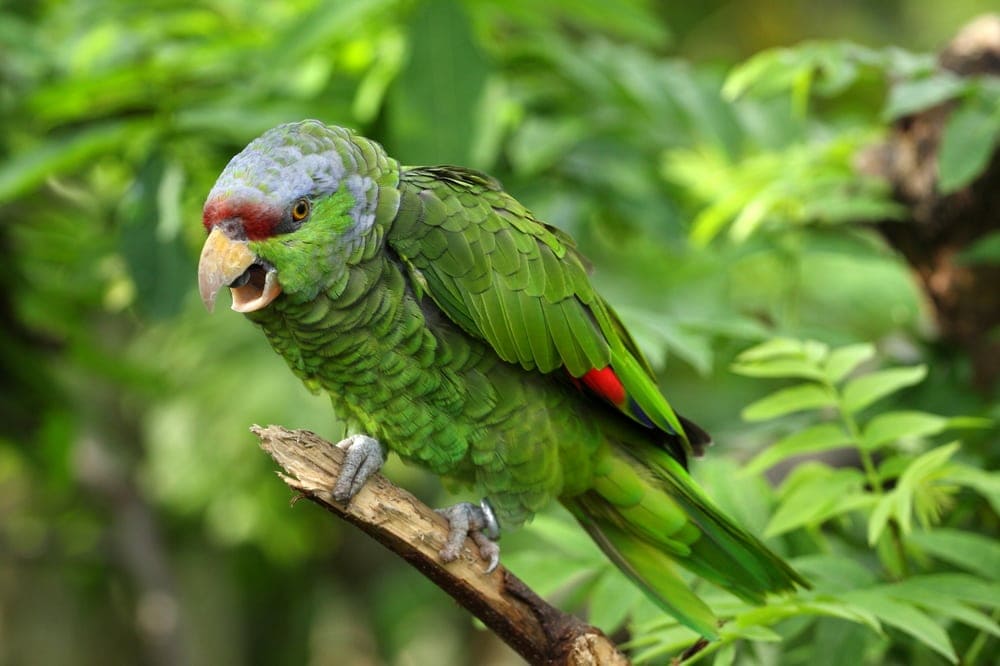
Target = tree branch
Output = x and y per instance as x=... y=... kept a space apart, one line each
x=400 y=522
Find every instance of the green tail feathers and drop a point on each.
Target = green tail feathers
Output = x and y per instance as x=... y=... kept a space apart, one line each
x=646 y=514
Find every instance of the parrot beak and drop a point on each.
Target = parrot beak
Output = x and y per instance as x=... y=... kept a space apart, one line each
x=230 y=262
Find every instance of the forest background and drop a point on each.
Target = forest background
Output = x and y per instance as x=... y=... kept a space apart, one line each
x=793 y=206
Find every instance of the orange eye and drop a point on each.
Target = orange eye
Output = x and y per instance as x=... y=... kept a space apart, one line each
x=301 y=210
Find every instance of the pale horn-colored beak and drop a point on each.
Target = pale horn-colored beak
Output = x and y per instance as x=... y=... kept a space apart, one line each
x=225 y=262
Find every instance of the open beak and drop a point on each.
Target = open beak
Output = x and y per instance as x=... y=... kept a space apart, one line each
x=226 y=262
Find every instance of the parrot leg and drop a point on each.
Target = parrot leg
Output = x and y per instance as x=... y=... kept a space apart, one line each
x=364 y=458
x=479 y=522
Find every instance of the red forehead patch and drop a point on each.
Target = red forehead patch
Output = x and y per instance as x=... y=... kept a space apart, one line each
x=257 y=219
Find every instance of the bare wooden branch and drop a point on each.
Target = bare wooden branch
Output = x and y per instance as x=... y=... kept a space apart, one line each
x=539 y=632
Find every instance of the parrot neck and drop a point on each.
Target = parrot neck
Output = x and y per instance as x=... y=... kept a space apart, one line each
x=357 y=323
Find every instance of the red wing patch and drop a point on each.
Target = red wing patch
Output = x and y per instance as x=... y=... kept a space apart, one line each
x=605 y=383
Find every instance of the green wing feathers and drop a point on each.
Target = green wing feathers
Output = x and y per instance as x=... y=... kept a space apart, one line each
x=499 y=273
x=522 y=286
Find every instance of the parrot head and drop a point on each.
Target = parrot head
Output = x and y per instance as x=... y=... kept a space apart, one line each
x=287 y=213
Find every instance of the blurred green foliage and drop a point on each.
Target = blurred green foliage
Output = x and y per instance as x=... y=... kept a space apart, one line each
x=714 y=192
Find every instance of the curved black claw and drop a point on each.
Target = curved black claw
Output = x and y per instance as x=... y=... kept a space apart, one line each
x=480 y=523
x=364 y=458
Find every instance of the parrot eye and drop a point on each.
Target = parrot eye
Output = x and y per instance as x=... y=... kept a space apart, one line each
x=301 y=210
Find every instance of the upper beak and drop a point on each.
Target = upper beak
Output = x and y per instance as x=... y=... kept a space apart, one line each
x=230 y=262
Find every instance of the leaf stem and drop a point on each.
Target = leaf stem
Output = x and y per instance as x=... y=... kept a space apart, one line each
x=978 y=643
x=874 y=480
x=866 y=458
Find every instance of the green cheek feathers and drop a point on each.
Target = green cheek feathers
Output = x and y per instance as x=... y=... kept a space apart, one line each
x=313 y=256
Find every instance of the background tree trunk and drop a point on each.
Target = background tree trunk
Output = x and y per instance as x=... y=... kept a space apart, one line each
x=965 y=296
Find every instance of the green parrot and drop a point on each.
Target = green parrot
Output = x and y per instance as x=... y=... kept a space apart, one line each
x=452 y=327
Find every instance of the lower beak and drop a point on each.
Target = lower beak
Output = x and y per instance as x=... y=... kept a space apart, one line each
x=230 y=262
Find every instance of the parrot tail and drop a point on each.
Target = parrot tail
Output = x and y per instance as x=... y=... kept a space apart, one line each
x=646 y=513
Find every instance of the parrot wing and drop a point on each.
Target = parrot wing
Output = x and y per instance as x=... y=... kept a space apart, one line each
x=521 y=285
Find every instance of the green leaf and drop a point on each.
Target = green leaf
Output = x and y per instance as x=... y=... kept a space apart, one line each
x=692 y=346
x=753 y=632
x=864 y=390
x=915 y=489
x=768 y=71
x=663 y=642
x=891 y=426
x=968 y=141
x=919 y=94
x=767 y=615
x=753 y=214
x=779 y=367
x=829 y=607
x=958 y=586
x=710 y=221
x=905 y=617
x=429 y=111
x=747 y=499
x=838 y=609
x=933 y=594
x=845 y=205
x=854 y=501
x=29 y=168
x=777 y=347
x=546 y=574
x=968 y=550
x=967 y=615
x=813 y=499
x=818 y=437
x=158 y=261
x=610 y=600
x=942 y=594
x=725 y=656
x=786 y=401
x=984 y=250
x=565 y=535
x=844 y=359
x=838 y=643
x=372 y=89
x=834 y=573
x=927 y=465
x=959 y=422
x=887 y=507
x=540 y=143
x=829 y=66
x=985 y=483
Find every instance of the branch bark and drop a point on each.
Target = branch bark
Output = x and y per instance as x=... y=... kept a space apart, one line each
x=539 y=632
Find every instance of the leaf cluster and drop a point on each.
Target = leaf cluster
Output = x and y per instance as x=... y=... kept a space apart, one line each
x=915 y=83
x=868 y=503
x=861 y=480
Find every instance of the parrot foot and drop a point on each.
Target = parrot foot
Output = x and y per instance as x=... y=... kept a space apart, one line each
x=364 y=458
x=480 y=523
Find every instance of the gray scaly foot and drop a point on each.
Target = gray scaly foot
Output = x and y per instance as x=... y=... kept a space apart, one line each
x=364 y=458
x=479 y=522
